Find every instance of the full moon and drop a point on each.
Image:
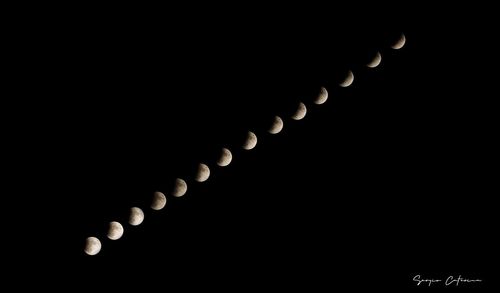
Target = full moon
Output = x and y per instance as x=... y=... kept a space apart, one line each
x=300 y=113
x=115 y=231
x=277 y=125
x=348 y=79
x=251 y=141
x=203 y=173
x=136 y=216
x=400 y=43
x=375 y=61
x=180 y=188
x=322 y=97
x=92 y=246
x=159 y=201
x=225 y=158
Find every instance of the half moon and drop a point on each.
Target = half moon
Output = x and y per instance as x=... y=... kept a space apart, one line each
x=159 y=201
x=136 y=216
x=225 y=158
x=348 y=79
x=180 y=188
x=400 y=43
x=92 y=246
x=115 y=231
x=300 y=113
x=375 y=61
x=277 y=125
x=251 y=141
x=203 y=173
x=322 y=97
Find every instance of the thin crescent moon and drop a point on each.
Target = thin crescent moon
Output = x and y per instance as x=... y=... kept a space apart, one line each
x=348 y=79
x=180 y=187
x=115 y=231
x=277 y=125
x=92 y=246
x=300 y=113
x=203 y=173
x=400 y=43
x=251 y=141
x=159 y=201
x=375 y=61
x=322 y=97
x=136 y=216
x=225 y=158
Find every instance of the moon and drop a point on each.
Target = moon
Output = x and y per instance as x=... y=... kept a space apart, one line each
x=375 y=61
x=136 y=216
x=277 y=125
x=92 y=246
x=159 y=201
x=203 y=173
x=115 y=231
x=251 y=141
x=348 y=79
x=400 y=43
x=225 y=158
x=180 y=188
x=322 y=97
x=300 y=113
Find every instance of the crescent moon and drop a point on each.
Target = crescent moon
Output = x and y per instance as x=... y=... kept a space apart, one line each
x=322 y=97
x=375 y=61
x=225 y=158
x=348 y=79
x=400 y=43
x=159 y=201
x=115 y=231
x=136 y=216
x=277 y=125
x=251 y=141
x=300 y=113
x=203 y=173
x=180 y=188
x=92 y=246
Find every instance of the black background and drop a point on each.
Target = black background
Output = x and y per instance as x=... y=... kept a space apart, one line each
x=391 y=177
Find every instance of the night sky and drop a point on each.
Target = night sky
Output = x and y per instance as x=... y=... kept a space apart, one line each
x=385 y=180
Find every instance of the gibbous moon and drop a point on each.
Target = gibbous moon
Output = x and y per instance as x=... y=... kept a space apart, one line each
x=136 y=216
x=348 y=79
x=277 y=125
x=400 y=43
x=115 y=231
x=322 y=97
x=300 y=113
x=375 y=61
x=159 y=201
x=203 y=173
x=225 y=158
x=92 y=246
x=180 y=188
x=251 y=141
